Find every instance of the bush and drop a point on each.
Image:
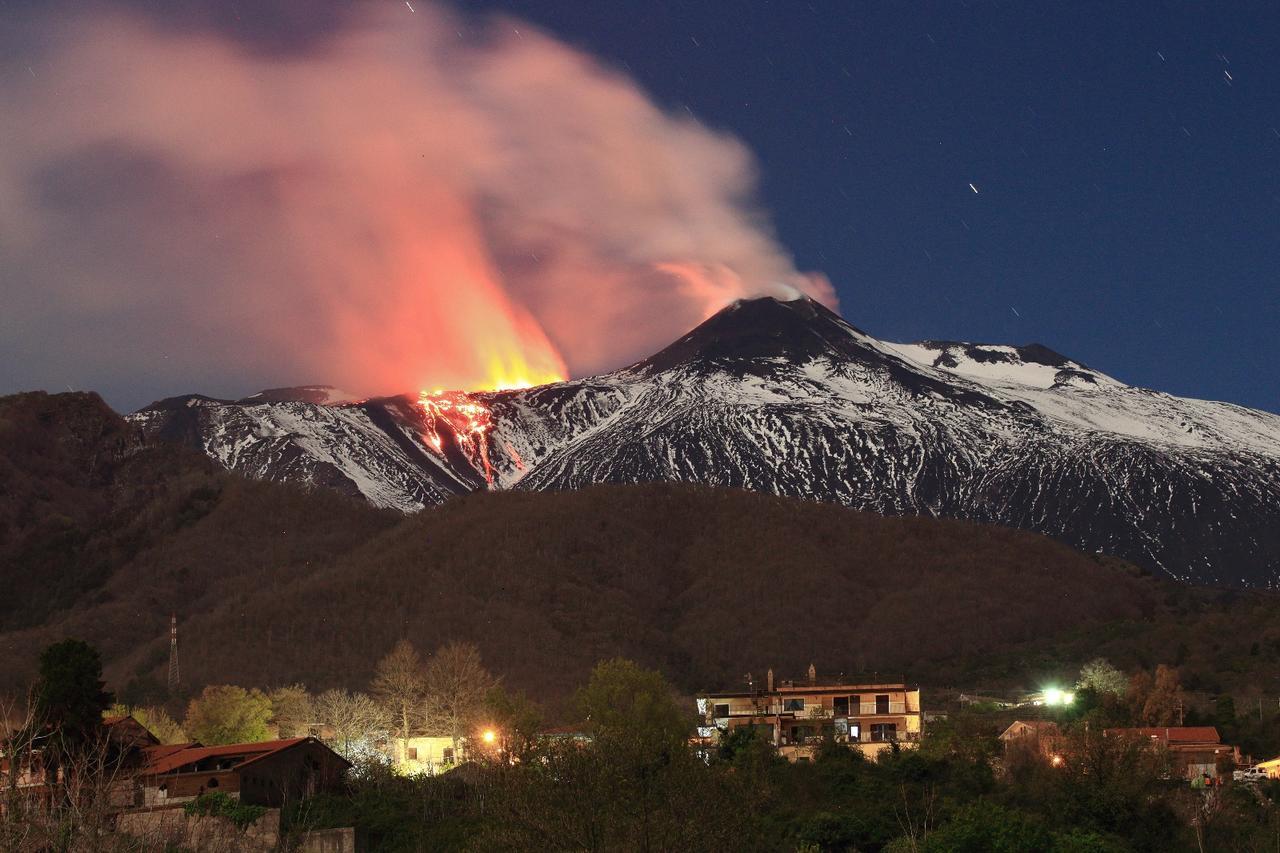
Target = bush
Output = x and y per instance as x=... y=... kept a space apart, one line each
x=219 y=804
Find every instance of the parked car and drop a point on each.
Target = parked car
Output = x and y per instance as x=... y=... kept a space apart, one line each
x=1250 y=774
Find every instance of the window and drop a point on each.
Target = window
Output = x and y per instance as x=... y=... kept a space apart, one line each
x=413 y=753
x=802 y=734
x=855 y=732
x=841 y=706
x=793 y=704
x=448 y=755
x=720 y=710
x=882 y=703
x=884 y=732
x=213 y=783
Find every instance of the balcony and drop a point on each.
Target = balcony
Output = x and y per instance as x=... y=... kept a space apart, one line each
x=896 y=737
x=814 y=712
x=866 y=737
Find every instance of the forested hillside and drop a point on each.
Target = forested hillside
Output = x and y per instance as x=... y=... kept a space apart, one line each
x=104 y=536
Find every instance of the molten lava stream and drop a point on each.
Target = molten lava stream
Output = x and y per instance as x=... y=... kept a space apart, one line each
x=468 y=420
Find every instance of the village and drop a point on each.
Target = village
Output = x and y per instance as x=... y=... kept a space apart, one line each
x=245 y=763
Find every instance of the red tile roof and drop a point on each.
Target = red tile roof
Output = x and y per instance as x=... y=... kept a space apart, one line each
x=168 y=762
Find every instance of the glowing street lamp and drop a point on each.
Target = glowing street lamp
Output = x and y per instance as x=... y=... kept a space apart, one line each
x=489 y=736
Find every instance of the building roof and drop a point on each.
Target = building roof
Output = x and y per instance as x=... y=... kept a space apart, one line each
x=837 y=686
x=1173 y=734
x=173 y=760
x=1019 y=728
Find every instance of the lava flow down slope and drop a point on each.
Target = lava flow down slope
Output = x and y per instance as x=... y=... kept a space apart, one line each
x=786 y=398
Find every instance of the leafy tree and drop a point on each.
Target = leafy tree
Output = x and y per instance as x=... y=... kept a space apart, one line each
x=400 y=686
x=1102 y=678
x=517 y=719
x=291 y=711
x=1224 y=712
x=70 y=694
x=627 y=706
x=1156 y=700
x=456 y=686
x=228 y=714
x=636 y=786
x=985 y=827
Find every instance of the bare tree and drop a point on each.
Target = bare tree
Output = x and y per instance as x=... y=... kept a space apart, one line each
x=400 y=686
x=457 y=684
x=916 y=827
x=351 y=721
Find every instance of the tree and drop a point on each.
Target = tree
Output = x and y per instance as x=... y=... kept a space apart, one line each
x=228 y=714
x=636 y=786
x=457 y=684
x=626 y=704
x=1156 y=700
x=1102 y=678
x=517 y=719
x=1164 y=703
x=1224 y=713
x=70 y=694
x=399 y=685
x=351 y=721
x=291 y=711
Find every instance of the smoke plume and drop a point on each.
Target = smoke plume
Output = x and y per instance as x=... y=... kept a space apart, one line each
x=402 y=205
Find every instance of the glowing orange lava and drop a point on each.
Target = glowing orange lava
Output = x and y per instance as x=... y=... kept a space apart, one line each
x=467 y=420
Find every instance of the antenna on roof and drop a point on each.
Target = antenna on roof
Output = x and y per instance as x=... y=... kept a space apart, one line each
x=173 y=654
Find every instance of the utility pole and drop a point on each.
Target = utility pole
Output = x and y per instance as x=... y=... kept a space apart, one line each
x=173 y=654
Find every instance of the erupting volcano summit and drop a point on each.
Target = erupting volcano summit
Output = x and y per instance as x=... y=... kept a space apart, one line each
x=788 y=398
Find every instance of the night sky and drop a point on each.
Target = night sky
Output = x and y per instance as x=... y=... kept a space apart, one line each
x=1126 y=155
x=1101 y=178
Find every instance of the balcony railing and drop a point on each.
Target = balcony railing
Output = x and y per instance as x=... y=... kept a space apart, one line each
x=815 y=712
x=866 y=737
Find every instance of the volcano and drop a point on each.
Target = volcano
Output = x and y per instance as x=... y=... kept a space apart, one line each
x=786 y=398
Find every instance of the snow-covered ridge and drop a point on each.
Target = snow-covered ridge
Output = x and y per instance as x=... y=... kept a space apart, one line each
x=1078 y=397
x=787 y=398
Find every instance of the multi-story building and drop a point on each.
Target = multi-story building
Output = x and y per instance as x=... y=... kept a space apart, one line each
x=797 y=716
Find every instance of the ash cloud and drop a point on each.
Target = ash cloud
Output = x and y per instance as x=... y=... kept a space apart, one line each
x=403 y=204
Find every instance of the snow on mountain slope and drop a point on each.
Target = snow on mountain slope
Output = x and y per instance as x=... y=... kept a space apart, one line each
x=1086 y=399
x=788 y=398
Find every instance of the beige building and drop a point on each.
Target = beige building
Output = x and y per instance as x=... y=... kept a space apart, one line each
x=425 y=754
x=797 y=716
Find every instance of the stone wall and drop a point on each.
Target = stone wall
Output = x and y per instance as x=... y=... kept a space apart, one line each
x=345 y=840
x=171 y=825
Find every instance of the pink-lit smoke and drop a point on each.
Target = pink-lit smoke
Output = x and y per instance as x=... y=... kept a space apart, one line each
x=399 y=207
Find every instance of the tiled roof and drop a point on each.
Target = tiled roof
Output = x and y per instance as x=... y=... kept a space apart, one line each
x=168 y=762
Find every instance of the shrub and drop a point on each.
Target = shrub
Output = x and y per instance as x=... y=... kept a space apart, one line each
x=219 y=804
